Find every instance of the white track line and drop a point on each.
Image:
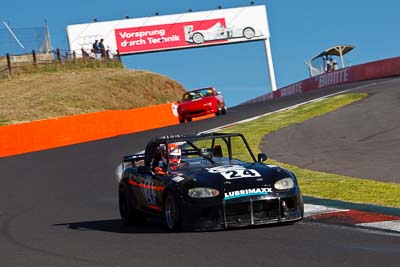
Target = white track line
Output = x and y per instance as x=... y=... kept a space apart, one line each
x=311 y=210
x=385 y=225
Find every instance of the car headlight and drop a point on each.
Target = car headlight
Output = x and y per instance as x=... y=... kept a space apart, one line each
x=284 y=184
x=202 y=192
x=209 y=104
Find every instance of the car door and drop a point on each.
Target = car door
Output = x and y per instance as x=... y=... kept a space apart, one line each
x=150 y=190
x=142 y=184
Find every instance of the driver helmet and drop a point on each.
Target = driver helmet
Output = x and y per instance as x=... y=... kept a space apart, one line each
x=174 y=154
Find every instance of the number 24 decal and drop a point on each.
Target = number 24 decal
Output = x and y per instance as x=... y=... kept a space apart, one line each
x=234 y=172
x=240 y=173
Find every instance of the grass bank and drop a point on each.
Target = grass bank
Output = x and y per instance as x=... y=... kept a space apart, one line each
x=320 y=184
x=55 y=91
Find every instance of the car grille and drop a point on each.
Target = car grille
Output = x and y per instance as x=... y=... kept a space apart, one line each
x=247 y=211
x=198 y=112
x=253 y=212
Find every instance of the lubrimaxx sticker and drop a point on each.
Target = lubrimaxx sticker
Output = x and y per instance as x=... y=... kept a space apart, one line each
x=247 y=193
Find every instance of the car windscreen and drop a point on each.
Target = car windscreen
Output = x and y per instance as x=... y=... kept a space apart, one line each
x=232 y=148
x=193 y=95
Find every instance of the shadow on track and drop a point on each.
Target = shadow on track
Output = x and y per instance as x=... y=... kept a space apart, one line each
x=151 y=226
x=115 y=226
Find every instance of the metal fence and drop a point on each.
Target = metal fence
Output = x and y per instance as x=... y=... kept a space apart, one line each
x=18 y=41
x=11 y=64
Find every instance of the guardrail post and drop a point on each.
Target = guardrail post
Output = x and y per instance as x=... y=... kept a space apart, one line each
x=118 y=55
x=34 y=57
x=59 y=56
x=74 y=56
x=9 y=65
x=83 y=55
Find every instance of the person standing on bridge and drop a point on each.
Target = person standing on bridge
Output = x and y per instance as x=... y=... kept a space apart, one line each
x=327 y=63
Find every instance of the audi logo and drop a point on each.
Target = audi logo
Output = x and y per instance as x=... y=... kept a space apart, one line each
x=88 y=39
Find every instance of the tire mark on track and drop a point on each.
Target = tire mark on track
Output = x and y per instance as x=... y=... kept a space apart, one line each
x=377 y=134
x=6 y=232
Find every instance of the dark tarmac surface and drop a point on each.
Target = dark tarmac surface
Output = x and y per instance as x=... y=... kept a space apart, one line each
x=360 y=140
x=59 y=207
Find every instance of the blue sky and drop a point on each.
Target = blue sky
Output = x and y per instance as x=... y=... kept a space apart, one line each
x=299 y=30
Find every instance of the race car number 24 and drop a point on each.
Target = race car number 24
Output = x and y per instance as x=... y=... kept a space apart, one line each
x=235 y=172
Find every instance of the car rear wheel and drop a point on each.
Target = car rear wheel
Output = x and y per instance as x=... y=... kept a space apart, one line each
x=181 y=120
x=172 y=214
x=248 y=33
x=129 y=214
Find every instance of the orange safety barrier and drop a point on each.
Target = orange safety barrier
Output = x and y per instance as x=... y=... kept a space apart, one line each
x=45 y=134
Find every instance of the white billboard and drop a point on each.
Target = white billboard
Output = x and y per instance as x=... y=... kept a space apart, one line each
x=186 y=30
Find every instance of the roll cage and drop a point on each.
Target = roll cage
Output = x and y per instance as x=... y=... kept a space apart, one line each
x=189 y=147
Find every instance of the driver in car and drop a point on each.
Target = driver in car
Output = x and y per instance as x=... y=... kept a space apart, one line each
x=174 y=154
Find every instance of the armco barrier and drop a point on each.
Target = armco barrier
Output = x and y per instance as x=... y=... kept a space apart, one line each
x=368 y=71
x=45 y=134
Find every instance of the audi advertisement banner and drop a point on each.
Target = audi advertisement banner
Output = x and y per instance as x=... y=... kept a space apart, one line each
x=186 y=30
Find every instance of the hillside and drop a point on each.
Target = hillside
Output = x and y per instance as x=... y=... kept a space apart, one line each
x=36 y=96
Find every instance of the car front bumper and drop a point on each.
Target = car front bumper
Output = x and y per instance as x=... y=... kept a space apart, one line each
x=198 y=112
x=241 y=212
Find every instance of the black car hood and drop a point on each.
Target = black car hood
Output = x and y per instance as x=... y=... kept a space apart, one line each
x=231 y=178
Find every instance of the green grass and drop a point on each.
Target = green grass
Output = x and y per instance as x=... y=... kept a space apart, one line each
x=314 y=183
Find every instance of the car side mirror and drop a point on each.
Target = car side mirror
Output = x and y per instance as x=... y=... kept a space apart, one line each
x=144 y=170
x=261 y=157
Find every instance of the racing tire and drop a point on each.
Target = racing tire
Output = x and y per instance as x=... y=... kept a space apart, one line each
x=181 y=120
x=172 y=213
x=249 y=33
x=189 y=119
x=198 y=38
x=219 y=111
x=223 y=112
x=129 y=215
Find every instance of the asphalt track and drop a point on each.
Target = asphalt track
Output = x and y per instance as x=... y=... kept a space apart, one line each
x=59 y=208
x=360 y=140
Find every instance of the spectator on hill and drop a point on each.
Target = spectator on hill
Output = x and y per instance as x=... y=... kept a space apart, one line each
x=109 y=53
x=96 y=49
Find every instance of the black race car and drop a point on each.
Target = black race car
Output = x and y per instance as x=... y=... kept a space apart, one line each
x=217 y=184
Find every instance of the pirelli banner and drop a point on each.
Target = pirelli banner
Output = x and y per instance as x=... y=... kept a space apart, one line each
x=186 y=30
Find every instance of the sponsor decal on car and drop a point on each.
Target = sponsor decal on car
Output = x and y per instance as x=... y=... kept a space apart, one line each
x=248 y=193
x=177 y=179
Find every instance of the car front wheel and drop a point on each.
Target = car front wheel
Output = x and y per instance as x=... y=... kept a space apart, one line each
x=172 y=216
x=223 y=110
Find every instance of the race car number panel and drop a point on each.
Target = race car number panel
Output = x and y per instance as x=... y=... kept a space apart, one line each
x=149 y=191
x=235 y=172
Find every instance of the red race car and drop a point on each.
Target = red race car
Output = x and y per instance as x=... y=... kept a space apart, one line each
x=200 y=102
